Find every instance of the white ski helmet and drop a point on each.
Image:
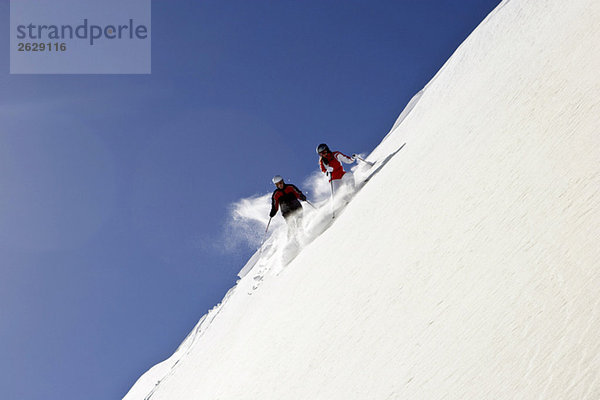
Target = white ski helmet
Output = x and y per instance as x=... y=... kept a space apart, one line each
x=277 y=178
x=322 y=147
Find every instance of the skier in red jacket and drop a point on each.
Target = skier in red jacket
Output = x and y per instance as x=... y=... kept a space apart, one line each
x=287 y=198
x=331 y=164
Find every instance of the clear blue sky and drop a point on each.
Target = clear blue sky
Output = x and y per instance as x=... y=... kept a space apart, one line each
x=112 y=188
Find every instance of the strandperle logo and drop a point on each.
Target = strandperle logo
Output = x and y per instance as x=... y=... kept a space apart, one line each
x=85 y=31
x=80 y=37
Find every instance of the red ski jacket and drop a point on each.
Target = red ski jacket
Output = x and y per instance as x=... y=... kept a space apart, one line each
x=286 y=197
x=332 y=163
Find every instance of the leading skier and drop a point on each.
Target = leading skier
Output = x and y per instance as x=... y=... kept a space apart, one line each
x=331 y=164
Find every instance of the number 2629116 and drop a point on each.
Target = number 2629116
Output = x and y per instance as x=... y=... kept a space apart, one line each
x=42 y=46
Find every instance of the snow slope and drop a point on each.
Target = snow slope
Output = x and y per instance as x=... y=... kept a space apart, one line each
x=466 y=268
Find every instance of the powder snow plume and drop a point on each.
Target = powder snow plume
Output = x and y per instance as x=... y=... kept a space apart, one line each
x=248 y=217
x=247 y=220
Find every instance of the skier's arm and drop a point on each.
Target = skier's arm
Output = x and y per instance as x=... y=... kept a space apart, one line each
x=274 y=206
x=298 y=193
x=322 y=163
x=344 y=158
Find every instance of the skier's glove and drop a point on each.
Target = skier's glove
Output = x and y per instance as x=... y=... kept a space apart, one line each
x=329 y=169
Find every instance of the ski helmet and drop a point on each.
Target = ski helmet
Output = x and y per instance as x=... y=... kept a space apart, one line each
x=322 y=147
x=277 y=179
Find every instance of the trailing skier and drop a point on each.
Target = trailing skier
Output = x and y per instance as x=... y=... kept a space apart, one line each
x=287 y=197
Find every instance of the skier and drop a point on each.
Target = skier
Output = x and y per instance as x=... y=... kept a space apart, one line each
x=286 y=196
x=331 y=164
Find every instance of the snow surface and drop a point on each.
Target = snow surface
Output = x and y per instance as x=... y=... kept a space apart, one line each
x=466 y=268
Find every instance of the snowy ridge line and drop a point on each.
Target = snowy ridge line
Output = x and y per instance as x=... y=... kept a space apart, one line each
x=161 y=372
x=409 y=107
x=199 y=330
x=414 y=101
x=169 y=365
x=378 y=166
x=256 y=257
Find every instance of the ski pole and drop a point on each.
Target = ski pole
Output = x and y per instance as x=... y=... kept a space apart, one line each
x=363 y=160
x=311 y=204
x=332 y=205
x=265 y=235
x=267 y=229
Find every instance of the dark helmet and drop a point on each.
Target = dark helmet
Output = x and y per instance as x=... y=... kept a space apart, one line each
x=322 y=147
